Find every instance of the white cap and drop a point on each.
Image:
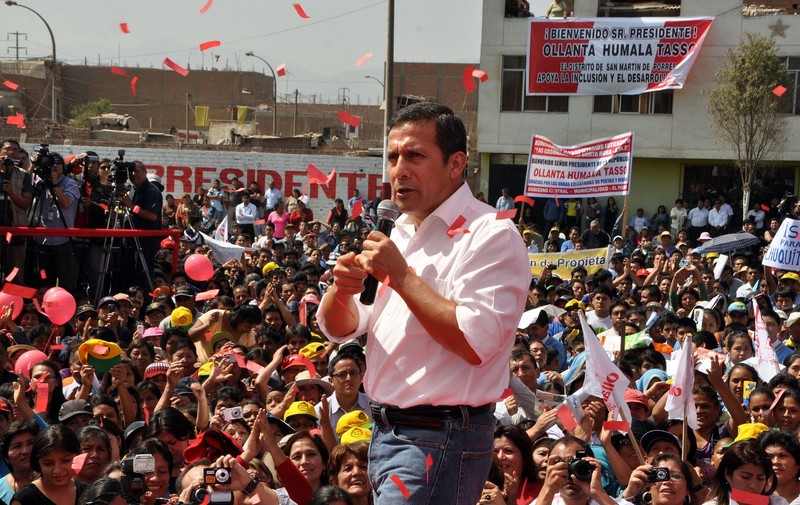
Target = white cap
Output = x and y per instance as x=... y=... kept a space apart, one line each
x=305 y=199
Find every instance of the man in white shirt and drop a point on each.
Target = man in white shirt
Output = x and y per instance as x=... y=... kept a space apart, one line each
x=246 y=213
x=271 y=197
x=432 y=372
x=698 y=220
x=718 y=219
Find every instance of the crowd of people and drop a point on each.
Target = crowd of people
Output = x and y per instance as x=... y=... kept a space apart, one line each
x=232 y=384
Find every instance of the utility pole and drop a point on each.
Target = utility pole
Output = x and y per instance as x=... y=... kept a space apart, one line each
x=188 y=102
x=294 y=119
x=16 y=45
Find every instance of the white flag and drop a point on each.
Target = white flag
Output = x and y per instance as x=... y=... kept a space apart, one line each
x=221 y=233
x=603 y=378
x=221 y=251
x=680 y=402
x=767 y=361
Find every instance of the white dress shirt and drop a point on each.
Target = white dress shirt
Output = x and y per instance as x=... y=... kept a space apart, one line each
x=405 y=366
x=698 y=217
x=246 y=214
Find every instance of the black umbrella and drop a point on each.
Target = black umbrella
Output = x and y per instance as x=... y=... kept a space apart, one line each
x=730 y=242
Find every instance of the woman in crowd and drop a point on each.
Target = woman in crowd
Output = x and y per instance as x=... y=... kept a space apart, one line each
x=593 y=211
x=105 y=491
x=513 y=451
x=15 y=448
x=47 y=372
x=54 y=448
x=660 y=219
x=740 y=347
x=347 y=467
x=675 y=491
x=744 y=467
x=787 y=412
x=279 y=217
x=709 y=412
x=187 y=209
x=331 y=495
x=738 y=375
x=784 y=452
x=156 y=482
x=610 y=215
x=772 y=231
x=309 y=455
x=338 y=214
x=541 y=453
x=96 y=445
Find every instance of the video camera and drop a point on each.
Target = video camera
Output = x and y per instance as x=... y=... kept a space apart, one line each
x=133 y=470
x=120 y=171
x=43 y=162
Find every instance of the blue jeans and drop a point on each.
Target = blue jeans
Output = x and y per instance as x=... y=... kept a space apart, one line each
x=460 y=457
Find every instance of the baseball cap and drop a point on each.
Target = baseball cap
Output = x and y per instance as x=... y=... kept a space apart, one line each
x=313 y=350
x=220 y=335
x=793 y=318
x=574 y=304
x=132 y=429
x=636 y=396
x=642 y=272
x=269 y=267
x=791 y=276
x=152 y=307
x=83 y=309
x=737 y=307
x=527 y=232
x=284 y=428
x=181 y=317
x=297 y=360
x=184 y=291
x=300 y=409
x=122 y=297
x=354 y=419
x=105 y=301
x=155 y=331
x=356 y=435
x=72 y=408
x=155 y=368
x=653 y=436
x=665 y=234
x=617 y=237
x=749 y=431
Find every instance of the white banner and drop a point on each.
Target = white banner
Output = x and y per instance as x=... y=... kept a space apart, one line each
x=603 y=378
x=223 y=252
x=596 y=168
x=680 y=402
x=612 y=56
x=766 y=359
x=784 y=250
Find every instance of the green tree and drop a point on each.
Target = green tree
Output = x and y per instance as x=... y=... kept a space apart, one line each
x=745 y=111
x=82 y=113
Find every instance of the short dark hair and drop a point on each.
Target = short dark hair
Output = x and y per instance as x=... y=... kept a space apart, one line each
x=451 y=135
x=153 y=446
x=54 y=437
x=15 y=429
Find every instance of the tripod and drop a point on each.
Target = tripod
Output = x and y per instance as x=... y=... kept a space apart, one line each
x=38 y=207
x=118 y=217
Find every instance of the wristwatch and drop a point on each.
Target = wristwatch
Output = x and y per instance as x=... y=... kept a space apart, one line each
x=251 y=487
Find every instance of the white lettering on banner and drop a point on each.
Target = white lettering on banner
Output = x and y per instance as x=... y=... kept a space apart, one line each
x=606 y=56
x=784 y=251
x=186 y=171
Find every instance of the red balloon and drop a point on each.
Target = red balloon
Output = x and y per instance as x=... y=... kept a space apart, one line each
x=26 y=361
x=198 y=267
x=6 y=300
x=59 y=305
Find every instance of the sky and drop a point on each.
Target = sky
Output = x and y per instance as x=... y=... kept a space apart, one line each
x=320 y=52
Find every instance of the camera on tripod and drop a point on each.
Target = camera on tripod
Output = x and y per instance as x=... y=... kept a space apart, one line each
x=43 y=162
x=120 y=171
x=133 y=470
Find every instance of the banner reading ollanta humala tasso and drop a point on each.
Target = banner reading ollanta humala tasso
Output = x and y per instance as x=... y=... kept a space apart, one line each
x=610 y=56
x=597 y=168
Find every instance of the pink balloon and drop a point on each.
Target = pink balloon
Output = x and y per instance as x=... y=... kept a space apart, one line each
x=198 y=267
x=26 y=361
x=59 y=305
x=6 y=299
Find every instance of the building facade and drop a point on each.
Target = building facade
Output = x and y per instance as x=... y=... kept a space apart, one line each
x=676 y=154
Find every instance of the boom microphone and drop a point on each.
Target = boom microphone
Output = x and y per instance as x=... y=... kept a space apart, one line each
x=387 y=212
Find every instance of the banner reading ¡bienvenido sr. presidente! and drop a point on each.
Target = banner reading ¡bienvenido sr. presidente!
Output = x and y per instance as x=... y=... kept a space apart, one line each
x=784 y=250
x=597 y=168
x=609 y=56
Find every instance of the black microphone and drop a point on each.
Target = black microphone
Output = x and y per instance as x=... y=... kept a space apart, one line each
x=387 y=212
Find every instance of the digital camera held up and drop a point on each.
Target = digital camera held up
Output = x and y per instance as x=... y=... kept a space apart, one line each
x=580 y=468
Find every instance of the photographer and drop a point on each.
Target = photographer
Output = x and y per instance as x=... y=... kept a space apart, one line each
x=16 y=196
x=92 y=214
x=567 y=481
x=243 y=488
x=58 y=210
x=672 y=491
x=145 y=205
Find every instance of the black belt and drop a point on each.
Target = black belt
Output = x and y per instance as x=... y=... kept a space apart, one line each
x=424 y=416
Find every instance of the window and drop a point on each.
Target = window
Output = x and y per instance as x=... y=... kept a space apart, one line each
x=790 y=101
x=658 y=102
x=514 y=98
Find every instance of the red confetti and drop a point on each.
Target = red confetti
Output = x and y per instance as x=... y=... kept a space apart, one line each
x=765 y=208
x=13 y=273
x=38 y=307
x=240 y=360
x=281 y=70
x=349 y=119
x=566 y=417
x=118 y=71
x=402 y=487
x=42 y=397
x=300 y=12
x=57 y=347
x=259 y=221
x=133 y=85
x=342 y=304
x=9 y=236
x=363 y=59
x=779 y=90
x=254 y=367
x=174 y=66
x=428 y=465
x=616 y=426
x=525 y=199
x=204 y=8
x=206 y=500
x=506 y=393
x=18 y=120
x=316 y=175
x=43 y=273
x=209 y=44
x=100 y=349
x=749 y=498
x=17 y=290
x=469 y=82
x=146 y=416
x=384 y=285
x=124 y=28
x=480 y=74
x=10 y=85
x=456 y=228
x=180 y=215
x=78 y=461
x=506 y=214
x=358 y=209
